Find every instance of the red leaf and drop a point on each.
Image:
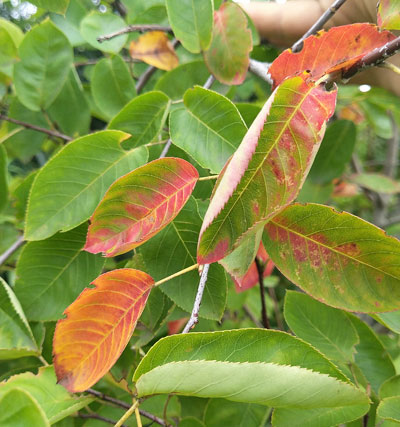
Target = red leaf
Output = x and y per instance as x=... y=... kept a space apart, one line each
x=139 y=205
x=329 y=51
x=98 y=326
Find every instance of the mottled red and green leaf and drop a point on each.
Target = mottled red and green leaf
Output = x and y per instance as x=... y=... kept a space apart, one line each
x=389 y=14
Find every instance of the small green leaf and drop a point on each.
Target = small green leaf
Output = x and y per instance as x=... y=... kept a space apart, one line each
x=390 y=387
x=112 y=85
x=191 y=22
x=3 y=177
x=59 y=6
x=391 y=320
x=210 y=128
x=46 y=58
x=376 y=182
x=68 y=188
x=10 y=38
x=143 y=117
x=389 y=409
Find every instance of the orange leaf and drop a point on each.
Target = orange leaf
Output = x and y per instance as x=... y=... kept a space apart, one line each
x=154 y=48
x=98 y=326
x=329 y=51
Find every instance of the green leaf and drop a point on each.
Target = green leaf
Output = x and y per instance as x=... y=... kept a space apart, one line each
x=53 y=272
x=21 y=194
x=390 y=387
x=389 y=14
x=59 y=6
x=18 y=408
x=371 y=357
x=143 y=117
x=335 y=152
x=227 y=58
x=249 y=112
x=248 y=365
x=98 y=24
x=337 y=258
x=389 y=409
x=55 y=401
x=46 y=58
x=376 y=182
x=391 y=320
x=71 y=110
x=69 y=187
x=16 y=338
x=3 y=178
x=210 y=128
x=176 y=82
x=174 y=249
x=10 y=38
x=326 y=328
x=112 y=85
x=191 y=22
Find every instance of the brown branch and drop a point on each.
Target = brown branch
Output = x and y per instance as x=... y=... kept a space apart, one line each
x=49 y=132
x=16 y=245
x=260 y=271
x=98 y=417
x=132 y=29
x=278 y=317
x=323 y=19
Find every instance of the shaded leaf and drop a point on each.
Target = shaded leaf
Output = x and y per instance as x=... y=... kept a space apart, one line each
x=143 y=118
x=18 y=408
x=46 y=57
x=326 y=328
x=389 y=409
x=268 y=169
x=376 y=182
x=390 y=387
x=209 y=129
x=389 y=14
x=174 y=249
x=52 y=273
x=59 y=6
x=228 y=54
x=191 y=22
x=85 y=345
x=391 y=320
x=98 y=24
x=330 y=51
x=55 y=401
x=248 y=112
x=112 y=85
x=337 y=258
x=154 y=48
x=3 y=177
x=71 y=184
x=21 y=194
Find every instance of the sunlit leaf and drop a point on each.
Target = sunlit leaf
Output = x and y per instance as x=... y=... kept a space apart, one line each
x=376 y=182
x=337 y=258
x=389 y=409
x=59 y=6
x=389 y=14
x=228 y=55
x=329 y=51
x=268 y=169
x=55 y=401
x=87 y=345
x=10 y=38
x=139 y=205
x=155 y=49
x=191 y=22
x=68 y=188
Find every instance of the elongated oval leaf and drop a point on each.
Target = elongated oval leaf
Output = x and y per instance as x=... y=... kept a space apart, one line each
x=210 y=128
x=389 y=409
x=284 y=371
x=228 y=55
x=69 y=187
x=389 y=14
x=335 y=257
x=191 y=22
x=391 y=320
x=139 y=205
x=376 y=182
x=390 y=387
x=329 y=51
x=87 y=345
x=46 y=58
x=267 y=171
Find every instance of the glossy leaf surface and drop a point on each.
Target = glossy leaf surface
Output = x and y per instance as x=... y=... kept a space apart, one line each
x=52 y=273
x=228 y=55
x=55 y=401
x=154 y=48
x=209 y=128
x=191 y=22
x=389 y=14
x=59 y=6
x=389 y=409
x=85 y=345
x=337 y=258
x=140 y=204
x=71 y=184
x=329 y=51
x=268 y=169
x=46 y=57
x=174 y=249
x=143 y=117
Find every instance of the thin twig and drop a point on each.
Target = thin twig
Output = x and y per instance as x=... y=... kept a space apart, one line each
x=16 y=245
x=260 y=69
x=391 y=67
x=209 y=82
x=127 y=414
x=278 y=316
x=194 y=317
x=251 y=316
x=323 y=19
x=207 y=178
x=264 y=316
x=179 y=273
x=49 y=132
x=133 y=28
x=98 y=417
